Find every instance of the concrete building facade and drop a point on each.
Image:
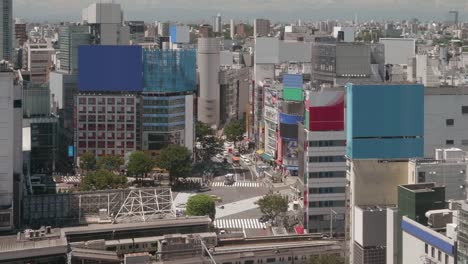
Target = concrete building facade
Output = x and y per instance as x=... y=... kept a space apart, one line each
x=70 y=38
x=208 y=69
x=446 y=119
x=105 y=21
x=39 y=61
x=322 y=160
x=261 y=27
x=11 y=161
x=105 y=124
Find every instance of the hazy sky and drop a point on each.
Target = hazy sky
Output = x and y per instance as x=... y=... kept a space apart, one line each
x=189 y=10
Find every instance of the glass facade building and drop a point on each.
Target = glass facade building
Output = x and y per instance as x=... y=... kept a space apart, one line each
x=169 y=71
x=70 y=38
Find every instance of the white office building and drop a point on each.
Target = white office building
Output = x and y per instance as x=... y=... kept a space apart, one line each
x=39 y=61
x=106 y=23
x=445 y=119
x=447 y=169
x=11 y=161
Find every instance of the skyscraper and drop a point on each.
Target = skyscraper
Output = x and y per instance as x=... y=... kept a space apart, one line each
x=261 y=27
x=217 y=26
x=10 y=145
x=232 y=29
x=20 y=32
x=6 y=29
x=70 y=38
x=208 y=67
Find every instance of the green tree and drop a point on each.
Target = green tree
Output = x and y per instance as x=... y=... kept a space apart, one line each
x=210 y=147
x=202 y=130
x=327 y=259
x=88 y=161
x=102 y=179
x=176 y=160
x=200 y=205
x=273 y=204
x=234 y=131
x=139 y=164
x=110 y=163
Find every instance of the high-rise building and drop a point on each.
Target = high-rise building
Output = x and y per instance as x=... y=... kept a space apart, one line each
x=6 y=29
x=205 y=31
x=322 y=164
x=11 y=161
x=167 y=105
x=381 y=137
x=209 y=94
x=241 y=30
x=39 y=61
x=446 y=119
x=232 y=29
x=217 y=24
x=105 y=21
x=290 y=113
x=105 y=124
x=261 y=27
x=20 y=32
x=70 y=38
x=137 y=31
x=163 y=29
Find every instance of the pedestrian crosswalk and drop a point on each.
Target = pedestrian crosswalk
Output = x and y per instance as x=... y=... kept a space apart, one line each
x=244 y=184
x=239 y=224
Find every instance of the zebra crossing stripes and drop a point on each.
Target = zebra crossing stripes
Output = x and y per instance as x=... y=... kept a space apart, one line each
x=245 y=184
x=239 y=224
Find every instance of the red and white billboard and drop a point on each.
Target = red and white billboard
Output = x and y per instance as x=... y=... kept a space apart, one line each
x=326 y=110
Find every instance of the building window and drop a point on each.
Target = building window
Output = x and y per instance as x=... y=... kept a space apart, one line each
x=464 y=109
x=446 y=259
x=17 y=103
x=327 y=143
x=464 y=142
x=449 y=122
x=326 y=159
x=421 y=176
x=433 y=252
x=426 y=248
x=449 y=142
x=439 y=256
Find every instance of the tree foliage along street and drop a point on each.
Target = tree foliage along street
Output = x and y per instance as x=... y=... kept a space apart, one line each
x=200 y=205
x=202 y=130
x=209 y=144
x=273 y=204
x=88 y=161
x=327 y=259
x=210 y=147
x=110 y=163
x=234 y=131
x=139 y=164
x=176 y=160
x=102 y=179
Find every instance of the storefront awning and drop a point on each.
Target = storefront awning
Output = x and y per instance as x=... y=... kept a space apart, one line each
x=260 y=151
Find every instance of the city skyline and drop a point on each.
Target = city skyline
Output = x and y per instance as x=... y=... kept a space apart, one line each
x=150 y=10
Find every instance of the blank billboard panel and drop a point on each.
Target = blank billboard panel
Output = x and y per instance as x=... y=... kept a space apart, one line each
x=110 y=68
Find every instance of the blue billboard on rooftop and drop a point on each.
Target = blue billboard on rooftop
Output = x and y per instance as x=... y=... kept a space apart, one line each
x=110 y=68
